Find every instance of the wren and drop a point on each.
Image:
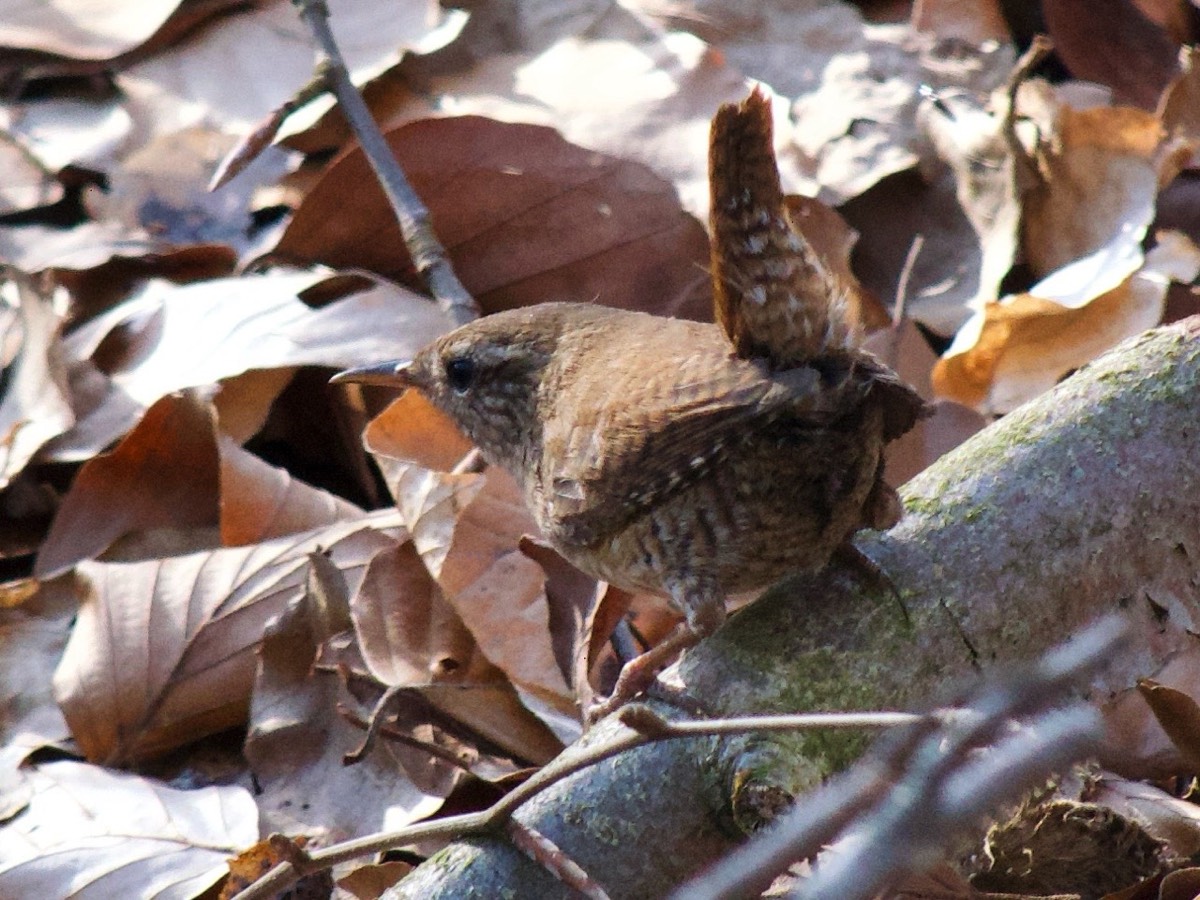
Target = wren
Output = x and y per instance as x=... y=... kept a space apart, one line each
x=689 y=459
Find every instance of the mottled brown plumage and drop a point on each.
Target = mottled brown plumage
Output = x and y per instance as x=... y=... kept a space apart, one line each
x=772 y=293
x=653 y=455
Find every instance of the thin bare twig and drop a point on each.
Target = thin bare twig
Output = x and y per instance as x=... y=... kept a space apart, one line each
x=1026 y=173
x=900 y=307
x=546 y=853
x=428 y=255
x=497 y=816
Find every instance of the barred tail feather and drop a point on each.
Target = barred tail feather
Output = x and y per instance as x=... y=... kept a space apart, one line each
x=773 y=295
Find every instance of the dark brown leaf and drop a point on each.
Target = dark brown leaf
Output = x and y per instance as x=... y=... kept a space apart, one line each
x=525 y=216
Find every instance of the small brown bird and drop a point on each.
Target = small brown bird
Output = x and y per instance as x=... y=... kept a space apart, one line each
x=688 y=459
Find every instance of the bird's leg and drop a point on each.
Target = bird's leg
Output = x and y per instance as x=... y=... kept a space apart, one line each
x=703 y=606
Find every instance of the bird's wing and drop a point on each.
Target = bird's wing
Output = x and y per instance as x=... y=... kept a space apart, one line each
x=610 y=467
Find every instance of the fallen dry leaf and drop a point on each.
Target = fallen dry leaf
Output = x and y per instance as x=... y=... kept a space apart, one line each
x=1101 y=169
x=271 y=49
x=163 y=651
x=253 y=863
x=117 y=835
x=931 y=438
x=297 y=741
x=466 y=529
x=1179 y=715
x=1168 y=818
x=507 y=611
x=944 y=276
x=169 y=338
x=970 y=21
x=414 y=430
x=161 y=188
x=97 y=287
x=490 y=710
x=407 y=633
x=26 y=184
x=67 y=131
x=571 y=597
x=370 y=882
x=177 y=470
x=1090 y=43
x=33 y=633
x=1023 y=345
x=615 y=84
x=1181 y=885
x=162 y=475
x=35 y=403
x=988 y=184
x=35 y=248
x=905 y=350
x=1179 y=106
x=183 y=120
x=560 y=222
x=96 y=30
x=260 y=501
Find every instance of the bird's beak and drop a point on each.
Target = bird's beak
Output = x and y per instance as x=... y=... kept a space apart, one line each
x=389 y=374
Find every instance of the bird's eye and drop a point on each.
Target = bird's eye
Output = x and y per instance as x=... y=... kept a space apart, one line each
x=460 y=372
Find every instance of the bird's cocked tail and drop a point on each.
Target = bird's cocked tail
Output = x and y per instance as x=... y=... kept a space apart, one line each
x=773 y=295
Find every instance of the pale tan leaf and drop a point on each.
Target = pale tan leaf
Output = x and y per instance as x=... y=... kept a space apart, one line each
x=466 y=529
x=34 y=406
x=1135 y=741
x=493 y=522
x=1101 y=172
x=297 y=741
x=414 y=430
x=1022 y=345
x=176 y=471
x=32 y=636
x=1179 y=715
x=67 y=131
x=500 y=715
x=370 y=882
x=168 y=338
x=260 y=501
x=969 y=246
x=26 y=183
x=970 y=21
x=489 y=708
x=270 y=48
x=244 y=401
x=164 y=650
x=90 y=832
x=500 y=595
x=162 y=475
x=82 y=29
x=506 y=610
x=407 y=632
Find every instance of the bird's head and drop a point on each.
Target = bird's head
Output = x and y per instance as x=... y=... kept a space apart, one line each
x=487 y=376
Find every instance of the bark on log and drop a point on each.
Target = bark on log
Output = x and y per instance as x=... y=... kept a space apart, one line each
x=1084 y=502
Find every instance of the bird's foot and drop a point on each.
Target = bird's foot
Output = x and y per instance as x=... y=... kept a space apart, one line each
x=638 y=674
x=704 y=608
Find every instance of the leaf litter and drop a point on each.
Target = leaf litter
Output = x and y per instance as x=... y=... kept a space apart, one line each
x=152 y=355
